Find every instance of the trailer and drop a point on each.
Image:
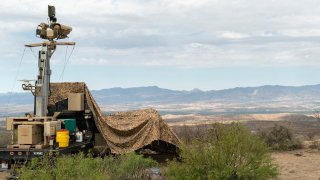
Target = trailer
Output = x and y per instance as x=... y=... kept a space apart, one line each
x=11 y=155
x=16 y=151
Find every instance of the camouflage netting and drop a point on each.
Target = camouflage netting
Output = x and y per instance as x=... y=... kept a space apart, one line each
x=123 y=131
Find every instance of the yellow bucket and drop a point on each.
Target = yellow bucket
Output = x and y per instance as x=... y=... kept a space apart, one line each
x=62 y=138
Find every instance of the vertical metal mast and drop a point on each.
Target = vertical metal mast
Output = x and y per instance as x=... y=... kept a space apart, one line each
x=43 y=81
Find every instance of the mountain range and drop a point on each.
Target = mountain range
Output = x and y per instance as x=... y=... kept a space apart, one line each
x=156 y=95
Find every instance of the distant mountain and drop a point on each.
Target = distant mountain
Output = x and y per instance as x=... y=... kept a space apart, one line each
x=156 y=95
x=16 y=98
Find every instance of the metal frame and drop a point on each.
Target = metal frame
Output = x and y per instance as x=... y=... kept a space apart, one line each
x=27 y=154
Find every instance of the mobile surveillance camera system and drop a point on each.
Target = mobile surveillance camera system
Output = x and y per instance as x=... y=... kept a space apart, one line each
x=34 y=134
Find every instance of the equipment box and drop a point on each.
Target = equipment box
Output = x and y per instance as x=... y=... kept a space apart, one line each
x=76 y=102
x=51 y=127
x=29 y=134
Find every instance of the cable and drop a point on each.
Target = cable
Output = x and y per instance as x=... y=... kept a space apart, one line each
x=15 y=78
x=18 y=70
x=33 y=52
x=66 y=62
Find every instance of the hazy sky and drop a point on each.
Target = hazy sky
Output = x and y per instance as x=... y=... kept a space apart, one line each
x=177 y=44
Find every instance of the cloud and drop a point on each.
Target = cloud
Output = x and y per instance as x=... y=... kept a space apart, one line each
x=197 y=55
x=181 y=34
x=233 y=35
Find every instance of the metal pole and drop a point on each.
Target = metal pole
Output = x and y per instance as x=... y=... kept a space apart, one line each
x=43 y=81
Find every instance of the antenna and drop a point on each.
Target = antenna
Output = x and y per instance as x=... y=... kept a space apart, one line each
x=52 y=13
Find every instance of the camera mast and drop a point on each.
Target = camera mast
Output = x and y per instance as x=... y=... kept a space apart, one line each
x=50 y=33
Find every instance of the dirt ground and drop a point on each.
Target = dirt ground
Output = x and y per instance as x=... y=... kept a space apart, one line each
x=3 y=175
x=299 y=164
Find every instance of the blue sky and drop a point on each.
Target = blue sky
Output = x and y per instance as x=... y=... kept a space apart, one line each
x=181 y=44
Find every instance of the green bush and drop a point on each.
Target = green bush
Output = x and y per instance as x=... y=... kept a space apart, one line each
x=228 y=152
x=128 y=166
x=280 y=138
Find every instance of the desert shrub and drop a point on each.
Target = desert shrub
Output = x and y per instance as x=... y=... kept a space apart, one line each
x=280 y=138
x=128 y=166
x=314 y=145
x=64 y=167
x=189 y=133
x=227 y=152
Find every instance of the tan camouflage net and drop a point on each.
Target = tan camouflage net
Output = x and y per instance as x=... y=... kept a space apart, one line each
x=123 y=131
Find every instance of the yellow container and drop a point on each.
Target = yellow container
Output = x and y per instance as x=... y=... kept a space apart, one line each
x=62 y=138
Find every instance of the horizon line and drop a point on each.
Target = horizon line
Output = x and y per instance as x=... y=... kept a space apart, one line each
x=194 y=89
